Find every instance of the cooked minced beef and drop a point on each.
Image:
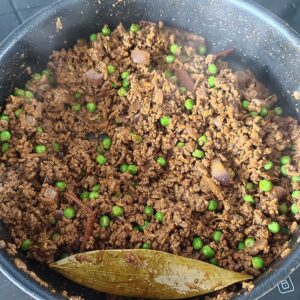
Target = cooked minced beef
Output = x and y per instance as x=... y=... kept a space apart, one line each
x=79 y=131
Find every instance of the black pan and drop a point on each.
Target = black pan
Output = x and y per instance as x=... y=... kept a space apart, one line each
x=264 y=43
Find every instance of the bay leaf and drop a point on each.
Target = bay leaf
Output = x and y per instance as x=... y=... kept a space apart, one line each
x=145 y=273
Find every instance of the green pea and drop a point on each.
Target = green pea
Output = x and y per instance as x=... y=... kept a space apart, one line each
x=283 y=209
x=245 y=104
x=249 y=242
x=217 y=236
x=183 y=90
x=212 y=205
x=148 y=210
x=136 y=228
x=40 y=129
x=110 y=69
x=265 y=185
x=197 y=243
x=56 y=146
x=117 y=211
x=295 y=178
x=62 y=186
x=114 y=85
x=213 y=261
x=18 y=112
x=283 y=170
x=19 y=92
x=125 y=74
x=5 y=147
x=249 y=199
x=94 y=195
x=40 y=149
x=146 y=246
x=189 y=104
x=274 y=227
x=295 y=209
x=241 y=246
x=29 y=94
x=168 y=74
x=257 y=262
x=106 y=143
x=165 y=121
x=106 y=31
x=278 y=111
x=25 y=245
x=76 y=107
x=122 y=91
x=161 y=161
x=84 y=195
x=96 y=188
x=104 y=221
x=125 y=83
x=174 y=49
x=46 y=72
x=250 y=186
x=123 y=168
x=263 y=112
x=285 y=159
x=296 y=195
x=144 y=226
x=180 y=144
x=52 y=79
x=202 y=140
x=77 y=95
x=268 y=165
x=208 y=251
x=212 y=69
x=69 y=213
x=211 y=81
x=198 y=153
x=91 y=107
x=170 y=58
x=37 y=76
x=93 y=37
x=253 y=114
x=5 y=136
x=52 y=221
x=202 y=49
x=134 y=28
x=150 y=68
x=4 y=117
x=101 y=160
x=132 y=169
x=159 y=216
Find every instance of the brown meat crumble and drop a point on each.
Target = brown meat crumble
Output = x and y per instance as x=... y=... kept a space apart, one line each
x=79 y=101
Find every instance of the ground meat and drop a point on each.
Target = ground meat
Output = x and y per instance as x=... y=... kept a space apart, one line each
x=32 y=206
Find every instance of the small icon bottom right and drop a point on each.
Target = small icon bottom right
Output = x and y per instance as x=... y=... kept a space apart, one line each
x=286 y=286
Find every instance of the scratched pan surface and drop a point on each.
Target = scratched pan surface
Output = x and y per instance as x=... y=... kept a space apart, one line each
x=264 y=43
